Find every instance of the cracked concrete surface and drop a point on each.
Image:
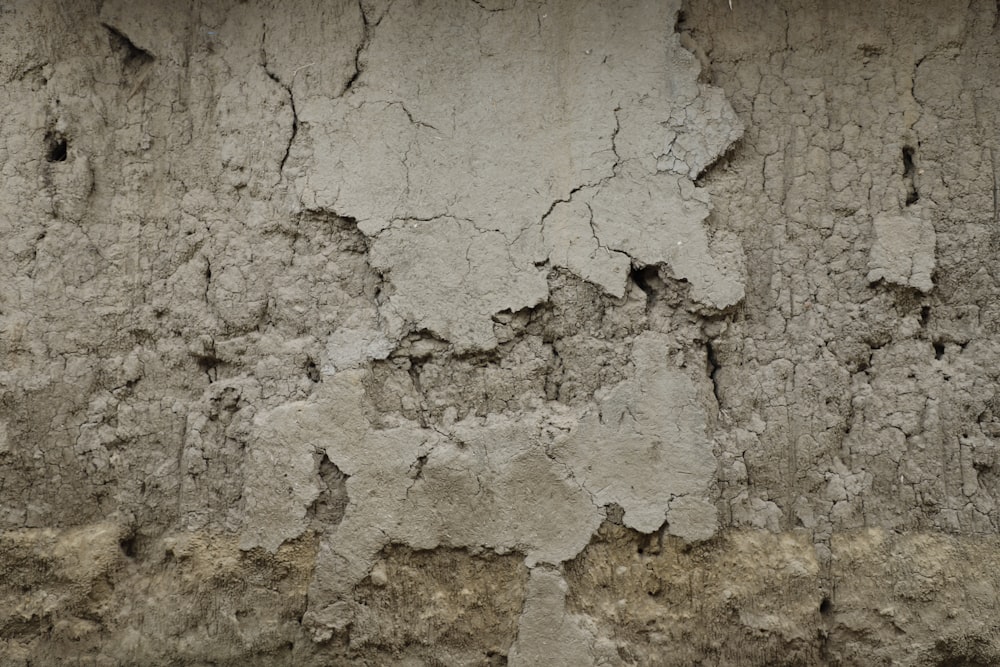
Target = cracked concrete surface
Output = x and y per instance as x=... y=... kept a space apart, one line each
x=455 y=332
x=523 y=111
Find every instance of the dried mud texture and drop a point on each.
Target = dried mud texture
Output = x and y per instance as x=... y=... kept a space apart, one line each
x=455 y=332
x=763 y=598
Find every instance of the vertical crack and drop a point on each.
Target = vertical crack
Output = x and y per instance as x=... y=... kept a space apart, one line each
x=208 y=278
x=614 y=143
x=295 y=130
x=362 y=47
x=291 y=98
x=416 y=472
x=713 y=371
x=910 y=176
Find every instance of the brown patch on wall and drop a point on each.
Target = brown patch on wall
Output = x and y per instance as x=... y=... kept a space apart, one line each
x=442 y=600
x=757 y=598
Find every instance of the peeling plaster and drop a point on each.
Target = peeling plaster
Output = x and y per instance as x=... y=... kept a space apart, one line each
x=530 y=145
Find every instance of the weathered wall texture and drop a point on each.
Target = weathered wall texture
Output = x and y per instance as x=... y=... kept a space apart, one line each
x=482 y=332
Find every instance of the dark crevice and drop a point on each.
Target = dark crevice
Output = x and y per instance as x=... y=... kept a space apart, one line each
x=865 y=365
x=209 y=365
x=680 y=24
x=312 y=371
x=614 y=147
x=554 y=374
x=37 y=69
x=568 y=199
x=291 y=101
x=925 y=316
x=128 y=546
x=295 y=130
x=909 y=176
x=208 y=279
x=435 y=343
x=295 y=119
x=208 y=361
x=483 y=7
x=331 y=504
x=713 y=370
x=357 y=71
x=366 y=38
x=56 y=147
x=825 y=606
x=417 y=469
x=908 y=167
x=642 y=277
x=721 y=162
x=416 y=472
x=938 y=349
x=686 y=37
x=420 y=123
x=132 y=55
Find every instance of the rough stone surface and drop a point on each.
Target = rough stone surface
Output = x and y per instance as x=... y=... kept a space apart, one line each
x=484 y=332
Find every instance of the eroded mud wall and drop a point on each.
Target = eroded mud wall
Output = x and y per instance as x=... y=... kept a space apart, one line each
x=499 y=332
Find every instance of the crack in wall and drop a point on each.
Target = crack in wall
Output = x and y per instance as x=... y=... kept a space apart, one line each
x=368 y=31
x=288 y=88
x=712 y=362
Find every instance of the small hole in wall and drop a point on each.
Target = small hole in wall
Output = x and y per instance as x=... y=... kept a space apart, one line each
x=925 y=315
x=825 y=606
x=55 y=147
x=643 y=277
x=908 y=166
x=312 y=371
x=128 y=547
x=938 y=349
